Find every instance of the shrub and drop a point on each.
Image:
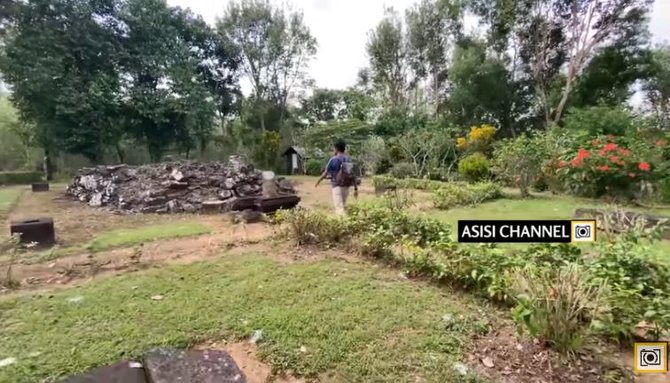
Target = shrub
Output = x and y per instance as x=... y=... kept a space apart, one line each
x=664 y=190
x=397 y=199
x=479 y=139
x=599 y=120
x=402 y=170
x=373 y=151
x=19 y=178
x=307 y=227
x=418 y=229
x=519 y=161
x=561 y=295
x=474 y=167
x=640 y=286
x=314 y=167
x=557 y=305
x=610 y=166
x=407 y=183
x=459 y=194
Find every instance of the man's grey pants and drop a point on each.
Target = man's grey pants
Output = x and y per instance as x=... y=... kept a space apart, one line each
x=340 y=194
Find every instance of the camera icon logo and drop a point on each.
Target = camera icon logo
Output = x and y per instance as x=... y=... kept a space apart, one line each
x=583 y=231
x=651 y=357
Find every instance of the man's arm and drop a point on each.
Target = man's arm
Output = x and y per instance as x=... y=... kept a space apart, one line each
x=324 y=174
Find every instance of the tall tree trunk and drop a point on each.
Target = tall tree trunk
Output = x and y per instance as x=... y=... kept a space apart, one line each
x=48 y=168
x=119 y=152
x=564 y=100
x=436 y=95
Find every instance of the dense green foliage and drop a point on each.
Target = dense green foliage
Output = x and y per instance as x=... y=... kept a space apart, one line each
x=20 y=178
x=454 y=194
x=558 y=293
x=157 y=78
x=475 y=167
x=314 y=167
x=519 y=161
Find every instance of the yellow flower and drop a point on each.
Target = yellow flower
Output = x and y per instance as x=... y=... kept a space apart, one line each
x=484 y=133
x=461 y=142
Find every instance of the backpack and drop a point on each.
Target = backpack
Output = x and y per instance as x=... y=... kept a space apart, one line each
x=345 y=177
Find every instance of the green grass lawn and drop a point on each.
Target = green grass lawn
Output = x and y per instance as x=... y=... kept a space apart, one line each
x=136 y=236
x=8 y=196
x=358 y=322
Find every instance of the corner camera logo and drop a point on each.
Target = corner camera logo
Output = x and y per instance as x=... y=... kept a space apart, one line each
x=583 y=231
x=651 y=357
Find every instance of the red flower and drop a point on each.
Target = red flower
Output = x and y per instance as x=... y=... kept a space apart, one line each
x=603 y=168
x=561 y=164
x=609 y=147
x=661 y=143
x=616 y=160
x=583 y=153
x=624 y=152
x=644 y=166
x=576 y=162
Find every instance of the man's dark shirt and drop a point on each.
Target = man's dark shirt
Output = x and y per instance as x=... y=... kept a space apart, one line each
x=334 y=165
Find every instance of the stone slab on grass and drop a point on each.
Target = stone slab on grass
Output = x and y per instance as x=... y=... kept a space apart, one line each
x=122 y=372
x=166 y=365
x=620 y=221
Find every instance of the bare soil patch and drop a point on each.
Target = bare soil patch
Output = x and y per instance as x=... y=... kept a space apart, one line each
x=506 y=358
x=244 y=354
x=75 y=222
x=74 y=268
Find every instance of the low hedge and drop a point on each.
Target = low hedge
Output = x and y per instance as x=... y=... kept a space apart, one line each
x=19 y=178
x=453 y=195
x=408 y=183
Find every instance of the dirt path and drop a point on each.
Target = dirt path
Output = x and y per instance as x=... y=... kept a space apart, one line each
x=72 y=268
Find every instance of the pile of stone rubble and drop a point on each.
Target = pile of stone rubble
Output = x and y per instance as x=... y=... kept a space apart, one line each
x=171 y=187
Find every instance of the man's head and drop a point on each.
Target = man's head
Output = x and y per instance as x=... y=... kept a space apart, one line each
x=339 y=146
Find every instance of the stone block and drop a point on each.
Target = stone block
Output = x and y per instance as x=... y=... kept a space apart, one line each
x=122 y=372
x=202 y=366
x=40 y=187
x=38 y=230
x=271 y=205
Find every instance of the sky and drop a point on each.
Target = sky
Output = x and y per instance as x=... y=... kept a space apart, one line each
x=341 y=28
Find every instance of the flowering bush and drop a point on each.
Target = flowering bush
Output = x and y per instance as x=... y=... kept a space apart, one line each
x=519 y=161
x=479 y=138
x=610 y=166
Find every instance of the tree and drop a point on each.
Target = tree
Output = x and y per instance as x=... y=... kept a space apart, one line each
x=429 y=25
x=59 y=58
x=334 y=104
x=387 y=52
x=372 y=153
x=551 y=35
x=275 y=47
x=169 y=68
x=657 y=87
x=323 y=105
x=482 y=90
x=13 y=152
x=591 y=24
x=609 y=77
x=585 y=26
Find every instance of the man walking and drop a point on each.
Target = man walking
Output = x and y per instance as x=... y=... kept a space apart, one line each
x=340 y=170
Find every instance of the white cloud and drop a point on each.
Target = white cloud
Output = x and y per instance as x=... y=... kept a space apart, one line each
x=341 y=28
